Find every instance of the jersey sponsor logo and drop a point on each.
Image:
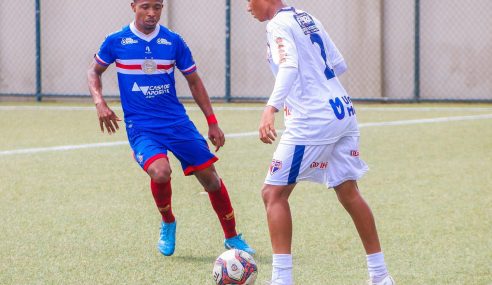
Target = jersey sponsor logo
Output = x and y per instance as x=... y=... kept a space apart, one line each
x=128 y=41
x=307 y=23
x=281 y=50
x=163 y=41
x=354 y=153
x=152 y=91
x=320 y=165
x=275 y=166
x=339 y=108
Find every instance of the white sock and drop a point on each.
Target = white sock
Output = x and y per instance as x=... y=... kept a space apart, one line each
x=282 y=269
x=376 y=266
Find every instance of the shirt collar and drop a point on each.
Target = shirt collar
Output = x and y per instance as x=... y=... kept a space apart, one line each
x=143 y=36
x=285 y=9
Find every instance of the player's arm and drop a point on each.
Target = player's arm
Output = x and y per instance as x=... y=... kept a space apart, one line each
x=201 y=98
x=284 y=53
x=107 y=118
x=283 y=83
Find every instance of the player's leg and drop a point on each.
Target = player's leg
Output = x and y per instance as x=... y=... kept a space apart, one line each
x=160 y=184
x=290 y=164
x=196 y=159
x=221 y=203
x=159 y=172
x=345 y=168
x=276 y=200
x=219 y=198
x=152 y=157
x=349 y=196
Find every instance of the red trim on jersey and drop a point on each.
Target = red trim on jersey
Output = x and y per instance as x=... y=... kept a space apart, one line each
x=100 y=61
x=152 y=159
x=128 y=66
x=190 y=169
x=165 y=66
x=189 y=70
x=139 y=66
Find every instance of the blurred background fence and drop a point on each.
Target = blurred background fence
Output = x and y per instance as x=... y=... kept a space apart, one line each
x=407 y=50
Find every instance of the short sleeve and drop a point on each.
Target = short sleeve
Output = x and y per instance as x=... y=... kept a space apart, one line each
x=334 y=55
x=282 y=46
x=184 y=59
x=105 y=56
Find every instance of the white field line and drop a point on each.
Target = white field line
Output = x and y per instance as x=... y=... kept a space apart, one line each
x=220 y=108
x=427 y=121
x=246 y=134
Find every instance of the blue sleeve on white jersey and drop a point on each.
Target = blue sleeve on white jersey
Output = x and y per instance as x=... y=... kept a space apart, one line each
x=184 y=58
x=106 y=56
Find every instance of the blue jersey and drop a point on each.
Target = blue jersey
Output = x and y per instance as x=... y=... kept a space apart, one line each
x=145 y=66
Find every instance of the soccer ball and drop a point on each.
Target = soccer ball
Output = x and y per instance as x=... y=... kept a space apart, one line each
x=235 y=267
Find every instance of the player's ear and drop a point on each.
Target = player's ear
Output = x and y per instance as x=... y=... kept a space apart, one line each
x=133 y=6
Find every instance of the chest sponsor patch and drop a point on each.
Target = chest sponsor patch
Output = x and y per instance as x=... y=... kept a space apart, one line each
x=307 y=23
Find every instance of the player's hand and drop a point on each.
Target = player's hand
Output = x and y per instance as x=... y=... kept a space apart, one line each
x=107 y=118
x=266 y=130
x=216 y=136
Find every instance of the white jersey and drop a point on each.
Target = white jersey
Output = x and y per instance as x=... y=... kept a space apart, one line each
x=317 y=109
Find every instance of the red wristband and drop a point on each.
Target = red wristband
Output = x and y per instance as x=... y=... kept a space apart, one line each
x=211 y=119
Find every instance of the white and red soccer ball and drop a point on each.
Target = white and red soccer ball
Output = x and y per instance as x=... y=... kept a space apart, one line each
x=235 y=267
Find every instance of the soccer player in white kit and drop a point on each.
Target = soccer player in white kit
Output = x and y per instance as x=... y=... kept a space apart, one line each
x=321 y=139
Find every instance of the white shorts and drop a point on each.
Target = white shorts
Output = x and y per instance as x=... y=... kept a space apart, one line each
x=330 y=164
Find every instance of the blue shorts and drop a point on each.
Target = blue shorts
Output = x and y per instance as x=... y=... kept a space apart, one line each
x=184 y=141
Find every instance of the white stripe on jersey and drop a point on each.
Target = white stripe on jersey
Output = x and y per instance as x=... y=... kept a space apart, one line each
x=189 y=69
x=100 y=59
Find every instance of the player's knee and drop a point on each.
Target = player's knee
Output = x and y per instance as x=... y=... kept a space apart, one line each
x=268 y=195
x=160 y=175
x=348 y=194
x=211 y=184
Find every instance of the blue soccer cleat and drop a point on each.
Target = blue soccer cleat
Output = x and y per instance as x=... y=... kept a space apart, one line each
x=167 y=241
x=238 y=242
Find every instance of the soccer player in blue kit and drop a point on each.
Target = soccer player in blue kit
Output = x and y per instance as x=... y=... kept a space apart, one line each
x=146 y=55
x=321 y=138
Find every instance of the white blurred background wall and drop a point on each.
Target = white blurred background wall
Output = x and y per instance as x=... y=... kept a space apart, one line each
x=376 y=37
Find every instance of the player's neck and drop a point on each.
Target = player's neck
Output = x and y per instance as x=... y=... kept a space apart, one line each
x=276 y=8
x=143 y=30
